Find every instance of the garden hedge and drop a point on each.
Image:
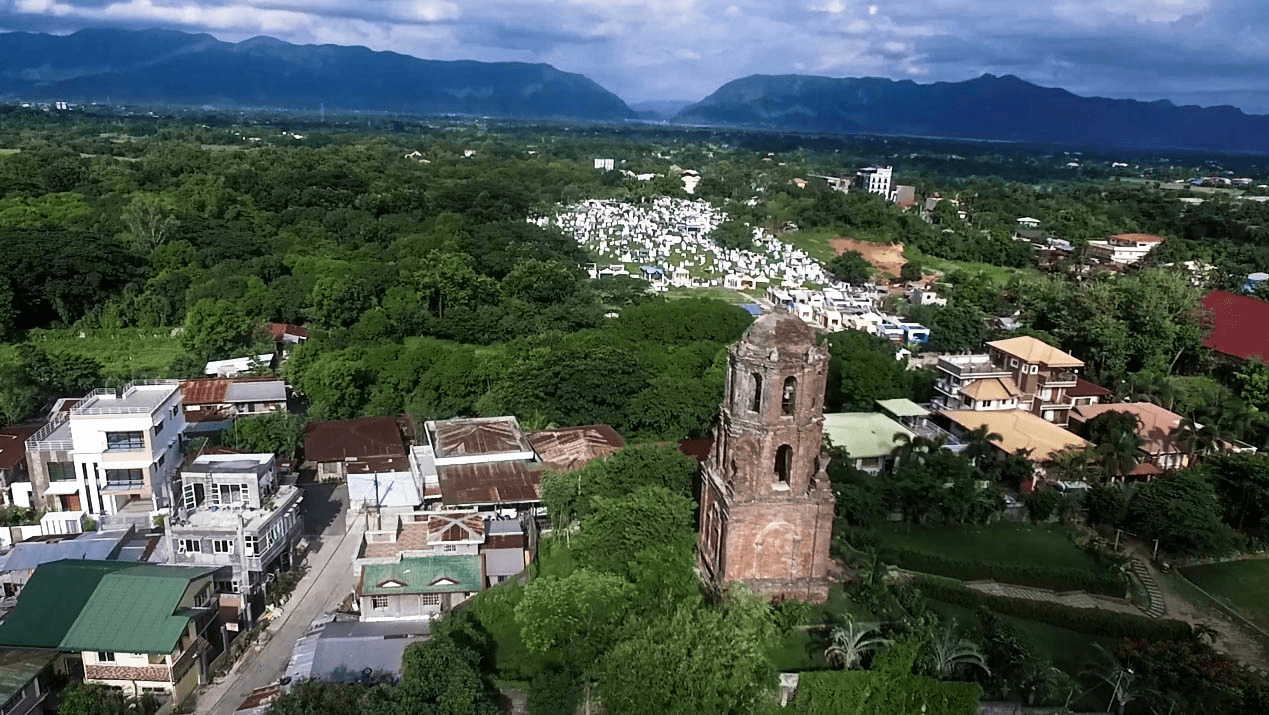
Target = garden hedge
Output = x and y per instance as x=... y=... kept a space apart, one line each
x=1084 y=620
x=1106 y=582
x=861 y=692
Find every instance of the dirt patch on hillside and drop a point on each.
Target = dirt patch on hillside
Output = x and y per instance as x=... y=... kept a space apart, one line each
x=887 y=259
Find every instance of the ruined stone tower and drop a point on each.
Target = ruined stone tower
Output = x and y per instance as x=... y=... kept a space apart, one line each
x=766 y=502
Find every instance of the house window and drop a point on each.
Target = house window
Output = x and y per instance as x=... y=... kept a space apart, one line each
x=194 y=494
x=1035 y=369
x=105 y=656
x=61 y=471
x=1013 y=362
x=251 y=545
x=755 y=402
x=124 y=478
x=226 y=494
x=449 y=547
x=222 y=546
x=147 y=690
x=125 y=441
x=378 y=602
x=158 y=428
x=189 y=546
x=789 y=396
x=783 y=464
x=430 y=599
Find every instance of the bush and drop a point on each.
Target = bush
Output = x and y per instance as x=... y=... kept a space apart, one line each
x=1105 y=582
x=1084 y=620
x=1041 y=504
x=861 y=692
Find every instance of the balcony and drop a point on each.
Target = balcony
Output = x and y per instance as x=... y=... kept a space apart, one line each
x=1058 y=379
x=971 y=366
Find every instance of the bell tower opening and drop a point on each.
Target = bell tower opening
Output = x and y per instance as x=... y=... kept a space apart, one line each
x=755 y=400
x=789 y=396
x=783 y=464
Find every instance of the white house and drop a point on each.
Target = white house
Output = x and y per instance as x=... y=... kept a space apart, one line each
x=1125 y=248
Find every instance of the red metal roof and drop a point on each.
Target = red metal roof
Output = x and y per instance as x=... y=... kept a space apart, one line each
x=338 y=440
x=574 y=447
x=279 y=330
x=13 y=443
x=1084 y=388
x=1240 y=325
x=490 y=483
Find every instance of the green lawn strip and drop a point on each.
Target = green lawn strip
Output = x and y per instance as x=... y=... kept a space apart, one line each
x=1240 y=585
x=998 y=274
x=716 y=292
x=814 y=243
x=1042 y=556
x=125 y=353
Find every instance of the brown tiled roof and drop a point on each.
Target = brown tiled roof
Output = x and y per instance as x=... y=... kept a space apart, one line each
x=992 y=388
x=279 y=330
x=462 y=437
x=1084 y=388
x=13 y=443
x=337 y=440
x=489 y=483
x=574 y=447
x=698 y=449
x=1029 y=349
x=1144 y=469
x=1157 y=426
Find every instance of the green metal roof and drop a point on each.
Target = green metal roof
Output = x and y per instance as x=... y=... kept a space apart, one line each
x=134 y=611
x=18 y=667
x=423 y=574
x=864 y=434
x=51 y=601
x=903 y=407
x=78 y=604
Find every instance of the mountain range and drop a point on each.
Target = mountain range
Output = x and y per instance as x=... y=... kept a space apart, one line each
x=167 y=67
x=988 y=107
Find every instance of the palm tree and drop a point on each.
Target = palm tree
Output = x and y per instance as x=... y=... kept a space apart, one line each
x=1198 y=439
x=1122 y=680
x=949 y=651
x=914 y=449
x=978 y=443
x=1119 y=454
x=848 y=642
x=1073 y=464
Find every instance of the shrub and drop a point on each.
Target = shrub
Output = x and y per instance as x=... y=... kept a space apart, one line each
x=1104 y=581
x=1084 y=620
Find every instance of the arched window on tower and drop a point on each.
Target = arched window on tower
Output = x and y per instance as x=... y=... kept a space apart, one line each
x=789 y=397
x=755 y=401
x=783 y=464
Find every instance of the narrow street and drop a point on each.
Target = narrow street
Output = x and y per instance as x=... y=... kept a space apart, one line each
x=328 y=581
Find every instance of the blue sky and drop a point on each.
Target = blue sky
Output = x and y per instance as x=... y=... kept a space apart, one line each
x=1189 y=51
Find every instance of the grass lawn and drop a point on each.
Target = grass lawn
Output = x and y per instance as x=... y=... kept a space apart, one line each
x=1241 y=585
x=814 y=243
x=555 y=558
x=999 y=543
x=726 y=295
x=998 y=274
x=125 y=354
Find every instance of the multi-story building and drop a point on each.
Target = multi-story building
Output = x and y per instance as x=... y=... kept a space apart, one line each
x=142 y=629
x=1017 y=373
x=233 y=511
x=1124 y=248
x=429 y=563
x=876 y=180
x=113 y=453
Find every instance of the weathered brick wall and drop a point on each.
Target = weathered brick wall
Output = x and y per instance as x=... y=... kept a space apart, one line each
x=766 y=519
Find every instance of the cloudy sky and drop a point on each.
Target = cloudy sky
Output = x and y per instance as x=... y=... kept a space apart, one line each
x=1190 y=51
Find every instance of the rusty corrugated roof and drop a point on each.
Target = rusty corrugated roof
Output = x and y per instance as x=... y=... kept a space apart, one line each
x=490 y=483
x=339 y=440
x=574 y=447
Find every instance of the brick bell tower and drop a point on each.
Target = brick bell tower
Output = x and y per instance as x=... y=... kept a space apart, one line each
x=766 y=502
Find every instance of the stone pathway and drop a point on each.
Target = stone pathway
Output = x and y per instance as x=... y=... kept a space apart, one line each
x=1158 y=607
x=1074 y=599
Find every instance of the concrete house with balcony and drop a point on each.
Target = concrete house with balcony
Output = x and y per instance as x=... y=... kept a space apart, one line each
x=144 y=629
x=233 y=512
x=112 y=455
x=427 y=565
x=1124 y=249
x=1020 y=373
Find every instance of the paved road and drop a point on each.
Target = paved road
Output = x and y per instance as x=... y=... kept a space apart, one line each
x=328 y=581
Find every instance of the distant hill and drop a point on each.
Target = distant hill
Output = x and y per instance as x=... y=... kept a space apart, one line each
x=660 y=109
x=989 y=107
x=165 y=67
